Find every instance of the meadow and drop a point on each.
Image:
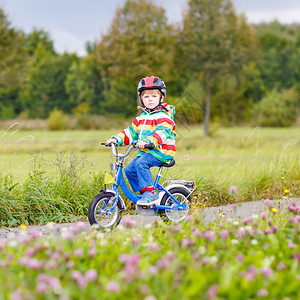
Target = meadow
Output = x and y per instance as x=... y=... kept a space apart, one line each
x=257 y=257
x=52 y=175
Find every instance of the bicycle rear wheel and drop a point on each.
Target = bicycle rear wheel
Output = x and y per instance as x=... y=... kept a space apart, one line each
x=99 y=211
x=171 y=215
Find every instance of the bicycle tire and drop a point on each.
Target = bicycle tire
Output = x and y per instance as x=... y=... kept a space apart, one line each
x=170 y=216
x=101 y=219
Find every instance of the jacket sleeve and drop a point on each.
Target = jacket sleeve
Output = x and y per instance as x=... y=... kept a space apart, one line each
x=126 y=136
x=165 y=130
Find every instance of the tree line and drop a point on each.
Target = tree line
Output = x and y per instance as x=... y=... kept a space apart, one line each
x=217 y=67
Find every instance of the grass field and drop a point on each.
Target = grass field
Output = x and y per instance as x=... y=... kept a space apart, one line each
x=260 y=162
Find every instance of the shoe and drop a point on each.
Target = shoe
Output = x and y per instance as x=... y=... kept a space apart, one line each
x=148 y=199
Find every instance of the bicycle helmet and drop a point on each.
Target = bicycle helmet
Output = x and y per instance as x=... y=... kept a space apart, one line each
x=150 y=83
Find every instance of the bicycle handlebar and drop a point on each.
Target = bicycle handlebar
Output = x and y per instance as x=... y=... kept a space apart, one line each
x=113 y=145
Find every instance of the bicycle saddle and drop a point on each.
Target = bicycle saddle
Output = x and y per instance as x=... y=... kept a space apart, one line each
x=169 y=164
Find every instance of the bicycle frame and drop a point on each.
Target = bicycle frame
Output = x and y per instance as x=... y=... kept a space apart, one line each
x=120 y=182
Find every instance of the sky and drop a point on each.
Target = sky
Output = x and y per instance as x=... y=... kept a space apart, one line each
x=72 y=23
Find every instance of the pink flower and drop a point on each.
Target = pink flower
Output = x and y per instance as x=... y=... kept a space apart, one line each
x=153 y=246
x=240 y=233
x=129 y=221
x=16 y=295
x=34 y=264
x=212 y=291
x=263 y=215
x=30 y=252
x=209 y=235
x=41 y=287
x=189 y=218
x=281 y=266
x=150 y=298
x=268 y=202
x=268 y=231
x=274 y=228
x=79 y=279
x=113 y=286
x=247 y=220
x=78 y=252
x=224 y=234
x=163 y=263
x=71 y=264
x=91 y=275
x=35 y=233
x=186 y=242
x=262 y=293
x=137 y=239
x=250 y=275
x=240 y=257
x=267 y=272
x=233 y=190
x=196 y=232
x=291 y=245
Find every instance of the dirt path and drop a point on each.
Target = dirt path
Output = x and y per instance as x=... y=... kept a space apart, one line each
x=208 y=214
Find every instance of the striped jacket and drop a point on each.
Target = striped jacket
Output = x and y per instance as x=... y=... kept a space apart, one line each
x=156 y=127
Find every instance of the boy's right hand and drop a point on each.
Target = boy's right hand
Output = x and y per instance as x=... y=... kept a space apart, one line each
x=113 y=140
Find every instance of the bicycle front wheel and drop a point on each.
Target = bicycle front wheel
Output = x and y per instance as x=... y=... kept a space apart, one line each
x=100 y=211
x=172 y=215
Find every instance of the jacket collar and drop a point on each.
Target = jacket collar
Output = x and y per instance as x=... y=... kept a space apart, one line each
x=162 y=107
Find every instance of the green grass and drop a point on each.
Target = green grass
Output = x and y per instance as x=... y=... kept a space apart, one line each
x=253 y=159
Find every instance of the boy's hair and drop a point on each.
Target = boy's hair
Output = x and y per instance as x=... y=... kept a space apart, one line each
x=151 y=92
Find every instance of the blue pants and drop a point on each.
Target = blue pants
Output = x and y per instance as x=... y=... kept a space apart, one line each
x=138 y=171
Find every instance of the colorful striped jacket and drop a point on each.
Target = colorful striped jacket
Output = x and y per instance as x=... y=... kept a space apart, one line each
x=156 y=127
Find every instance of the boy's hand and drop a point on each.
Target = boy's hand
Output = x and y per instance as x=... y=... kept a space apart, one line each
x=141 y=144
x=113 y=140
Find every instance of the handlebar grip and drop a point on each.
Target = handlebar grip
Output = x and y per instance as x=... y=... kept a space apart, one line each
x=149 y=146
x=109 y=144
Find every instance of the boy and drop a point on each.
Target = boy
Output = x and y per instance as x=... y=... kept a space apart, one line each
x=155 y=125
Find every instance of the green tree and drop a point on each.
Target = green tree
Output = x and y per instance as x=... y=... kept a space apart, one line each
x=13 y=60
x=36 y=37
x=139 y=43
x=84 y=84
x=45 y=88
x=215 y=42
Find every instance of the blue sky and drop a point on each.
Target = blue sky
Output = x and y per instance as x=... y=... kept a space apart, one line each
x=71 y=23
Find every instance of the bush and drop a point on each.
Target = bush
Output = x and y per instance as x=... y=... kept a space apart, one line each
x=277 y=109
x=56 y=120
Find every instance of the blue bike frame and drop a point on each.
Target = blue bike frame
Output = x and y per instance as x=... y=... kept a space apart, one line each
x=120 y=181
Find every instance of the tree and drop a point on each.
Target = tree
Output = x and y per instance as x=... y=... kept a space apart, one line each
x=215 y=42
x=13 y=60
x=45 y=88
x=36 y=37
x=139 y=43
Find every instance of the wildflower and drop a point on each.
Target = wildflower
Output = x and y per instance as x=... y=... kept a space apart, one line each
x=240 y=233
x=229 y=209
x=129 y=222
x=91 y=275
x=212 y=291
x=113 y=286
x=206 y=260
x=254 y=242
x=186 y=242
x=224 y=234
x=71 y=264
x=274 y=228
x=234 y=241
x=268 y=231
x=267 y=272
x=240 y=257
x=274 y=210
x=291 y=245
x=262 y=293
x=78 y=252
x=35 y=233
x=163 y=263
x=278 y=201
x=268 y=202
x=30 y=251
x=247 y=220
x=79 y=279
x=23 y=226
x=286 y=191
x=281 y=266
x=221 y=215
x=209 y=235
x=189 y=218
x=153 y=246
x=282 y=178
x=16 y=295
x=263 y=215
x=232 y=190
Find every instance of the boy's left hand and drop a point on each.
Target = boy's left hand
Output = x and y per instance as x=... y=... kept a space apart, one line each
x=140 y=144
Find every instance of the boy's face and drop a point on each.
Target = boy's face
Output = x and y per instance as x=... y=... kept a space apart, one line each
x=151 y=98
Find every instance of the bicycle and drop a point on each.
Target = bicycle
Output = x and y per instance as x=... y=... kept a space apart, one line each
x=107 y=207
